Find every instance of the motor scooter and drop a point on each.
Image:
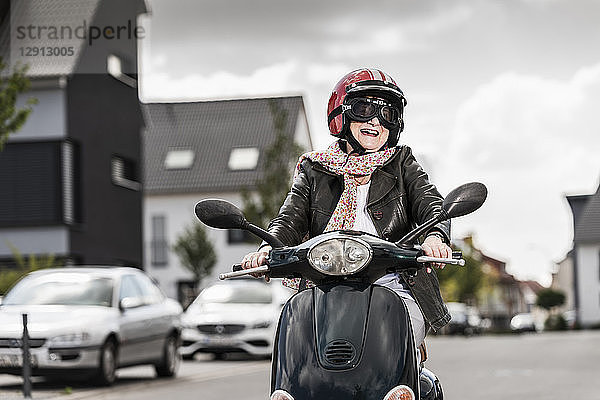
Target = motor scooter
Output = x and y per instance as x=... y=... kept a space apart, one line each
x=346 y=338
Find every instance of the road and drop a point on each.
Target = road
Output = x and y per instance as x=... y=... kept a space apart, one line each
x=543 y=366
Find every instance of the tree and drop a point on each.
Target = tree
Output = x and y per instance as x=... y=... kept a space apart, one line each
x=280 y=159
x=550 y=298
x=465 y=284
x=195 y=251
x=11 y=85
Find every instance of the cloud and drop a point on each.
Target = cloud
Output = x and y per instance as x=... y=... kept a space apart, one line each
x=268 y=80
x=530 y=140
x=395 y=33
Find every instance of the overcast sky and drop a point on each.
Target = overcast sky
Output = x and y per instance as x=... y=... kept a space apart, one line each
x=506 y=93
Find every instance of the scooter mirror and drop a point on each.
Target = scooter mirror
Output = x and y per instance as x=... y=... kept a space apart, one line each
x=220 y=214
x=464 y=199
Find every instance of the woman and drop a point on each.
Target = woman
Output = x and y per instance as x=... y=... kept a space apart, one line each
x=365 y=182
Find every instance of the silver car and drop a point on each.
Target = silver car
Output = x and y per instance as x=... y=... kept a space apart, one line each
x=233 y=316
x=89 y=320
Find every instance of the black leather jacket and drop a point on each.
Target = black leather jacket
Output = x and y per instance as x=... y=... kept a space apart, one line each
x=400 y=197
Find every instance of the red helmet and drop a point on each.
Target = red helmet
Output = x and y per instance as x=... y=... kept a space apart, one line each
x=363 y=82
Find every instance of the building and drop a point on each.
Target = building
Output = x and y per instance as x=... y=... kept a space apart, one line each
x=200 y=150
x=562 y=279
x=579 y=273
x=70 y=177
x=505 y=299
x=502 y=296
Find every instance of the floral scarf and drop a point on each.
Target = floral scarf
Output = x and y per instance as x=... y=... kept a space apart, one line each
x=334 y=159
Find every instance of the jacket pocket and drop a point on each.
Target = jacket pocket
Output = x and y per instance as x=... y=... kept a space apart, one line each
x=390 y=216
x=318 y=221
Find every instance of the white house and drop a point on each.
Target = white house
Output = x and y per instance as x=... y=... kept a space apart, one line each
x=199 y=150
x=584 y=259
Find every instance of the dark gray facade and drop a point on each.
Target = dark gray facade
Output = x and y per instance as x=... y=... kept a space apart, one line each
x=71 y=178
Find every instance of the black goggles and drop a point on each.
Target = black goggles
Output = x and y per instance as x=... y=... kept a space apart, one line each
x=363 y=109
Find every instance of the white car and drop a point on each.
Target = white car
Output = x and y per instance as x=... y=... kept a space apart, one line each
x=523 y=322
x=233 y=316
x=89 y=321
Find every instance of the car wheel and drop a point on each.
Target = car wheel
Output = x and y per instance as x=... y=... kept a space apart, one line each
x=107 y=366
x=168 y=365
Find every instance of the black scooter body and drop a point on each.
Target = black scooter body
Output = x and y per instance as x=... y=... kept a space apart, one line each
x=344 y=341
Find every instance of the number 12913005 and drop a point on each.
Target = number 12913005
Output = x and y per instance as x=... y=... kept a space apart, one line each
x=47 y=51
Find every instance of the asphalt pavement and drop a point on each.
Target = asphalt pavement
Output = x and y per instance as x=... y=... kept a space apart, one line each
x=545 y=366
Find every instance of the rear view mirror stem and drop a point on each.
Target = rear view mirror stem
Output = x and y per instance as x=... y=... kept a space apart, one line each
x=263 y=234
x=409 y=238
x=461 y=201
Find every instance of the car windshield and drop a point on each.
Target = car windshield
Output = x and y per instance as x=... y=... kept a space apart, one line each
x=62 y=289
x=260 y=294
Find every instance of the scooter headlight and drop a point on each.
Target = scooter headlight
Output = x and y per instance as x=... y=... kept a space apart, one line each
x=340 y=256
x=401 y=392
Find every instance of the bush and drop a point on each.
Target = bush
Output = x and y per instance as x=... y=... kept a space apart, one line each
x=8 y=279
x=10 y=276
x=555 y=323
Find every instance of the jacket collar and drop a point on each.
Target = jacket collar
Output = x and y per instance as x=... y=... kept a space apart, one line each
x=318 y=167
x=382 y=181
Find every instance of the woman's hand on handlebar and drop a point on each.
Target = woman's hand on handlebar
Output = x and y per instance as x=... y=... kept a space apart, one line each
x=433 y=246
x=256 y=259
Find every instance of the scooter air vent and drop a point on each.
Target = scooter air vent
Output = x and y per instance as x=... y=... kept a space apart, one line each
x=339 y=352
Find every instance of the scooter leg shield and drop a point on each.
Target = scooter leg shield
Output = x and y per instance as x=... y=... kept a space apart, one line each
x=344 y=342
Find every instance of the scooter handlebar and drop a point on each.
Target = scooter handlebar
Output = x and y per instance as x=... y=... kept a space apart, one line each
x=241 y=272
x=425 y=259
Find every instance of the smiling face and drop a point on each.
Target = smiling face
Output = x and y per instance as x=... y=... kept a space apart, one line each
x=371 y=134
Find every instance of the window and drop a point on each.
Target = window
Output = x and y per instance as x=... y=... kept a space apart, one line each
x=159 y=246
x=243 y=158
x=124 y=173
x=115 y=67
x=179 y=159
x=186 y=293
x=129 y=288
x=67 y=177
x=151 y=294
x=239 y=236
x=31 y=190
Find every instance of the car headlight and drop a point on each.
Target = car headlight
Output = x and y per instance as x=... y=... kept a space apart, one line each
x=188 y=324
x=262 y=325
x=340 y=256
x=71 y=339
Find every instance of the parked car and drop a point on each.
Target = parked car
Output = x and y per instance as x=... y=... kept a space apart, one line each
x=233 y=316
x=89 y=321
x=465 y=320
x=523 y=322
